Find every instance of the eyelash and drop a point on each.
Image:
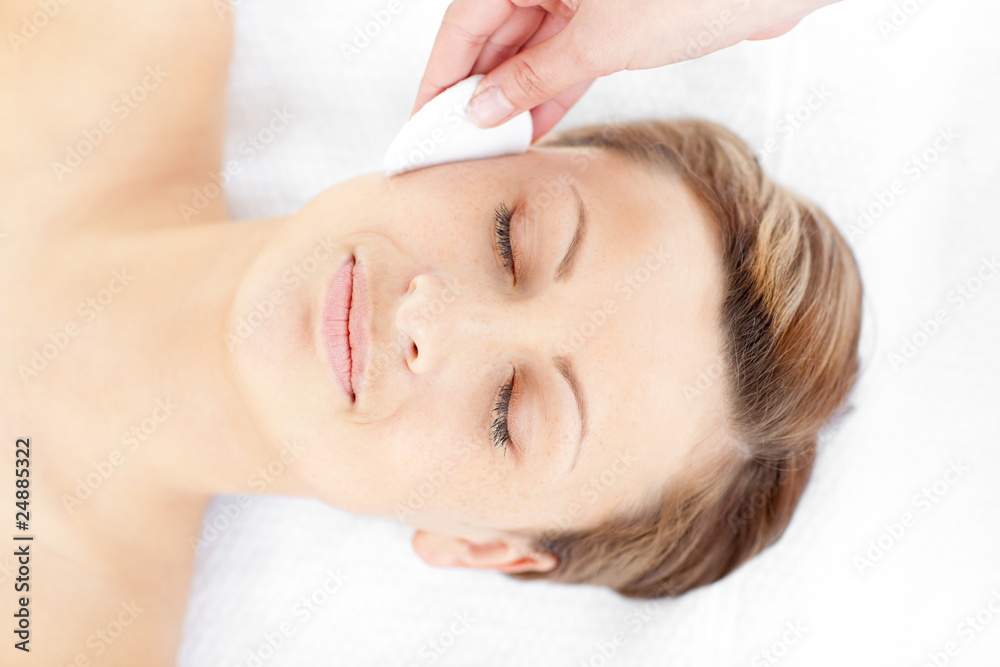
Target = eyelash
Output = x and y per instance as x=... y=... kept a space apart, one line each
x=501 y=436
x=502 y=230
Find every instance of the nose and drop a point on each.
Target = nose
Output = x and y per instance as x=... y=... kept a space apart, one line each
x=427 y=316
x=447 y=320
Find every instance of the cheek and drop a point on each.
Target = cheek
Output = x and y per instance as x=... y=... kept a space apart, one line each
x=444 y=215
x=444 y=242
x=430 y=429
x=440 y=463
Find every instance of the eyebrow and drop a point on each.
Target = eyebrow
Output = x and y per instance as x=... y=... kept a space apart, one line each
x=565 y=367
x=566 y=265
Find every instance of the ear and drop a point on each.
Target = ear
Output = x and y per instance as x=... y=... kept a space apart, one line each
x=503 y=554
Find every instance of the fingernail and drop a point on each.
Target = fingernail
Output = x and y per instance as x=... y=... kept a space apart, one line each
x=490 y=107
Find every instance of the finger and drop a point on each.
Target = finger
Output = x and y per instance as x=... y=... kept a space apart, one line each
x=547 y=114
x=776 y=30
x=466 y=26
x=551 y=24
x=561 y=8
x=508 y=38
x=533 y=76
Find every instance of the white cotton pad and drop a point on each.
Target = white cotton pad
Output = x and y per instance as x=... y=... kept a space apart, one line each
x=442 y=132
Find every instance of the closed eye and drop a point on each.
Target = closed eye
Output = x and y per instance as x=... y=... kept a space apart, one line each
x=499 y=429
x=501 y=230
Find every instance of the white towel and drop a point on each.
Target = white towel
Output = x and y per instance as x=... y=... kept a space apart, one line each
x=859 y=100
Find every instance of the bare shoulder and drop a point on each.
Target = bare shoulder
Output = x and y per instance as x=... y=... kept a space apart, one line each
x=106 y=101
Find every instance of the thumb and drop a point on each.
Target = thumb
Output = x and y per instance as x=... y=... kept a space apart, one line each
x=529 y=78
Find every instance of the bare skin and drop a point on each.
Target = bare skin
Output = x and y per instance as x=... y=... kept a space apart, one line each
x=87 y=564
x=115 y=329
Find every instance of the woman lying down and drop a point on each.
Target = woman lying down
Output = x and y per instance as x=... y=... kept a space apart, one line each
x=604 y=361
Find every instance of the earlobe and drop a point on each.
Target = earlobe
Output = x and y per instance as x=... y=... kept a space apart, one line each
x=539 y=562
x=440 y=550
x=507 y=557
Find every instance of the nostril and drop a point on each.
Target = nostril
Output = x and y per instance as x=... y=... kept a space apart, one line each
x=411 y=353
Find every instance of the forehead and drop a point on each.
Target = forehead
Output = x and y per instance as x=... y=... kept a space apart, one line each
x=645 y=337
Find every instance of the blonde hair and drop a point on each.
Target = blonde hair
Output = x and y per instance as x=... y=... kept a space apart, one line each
x=791 y=318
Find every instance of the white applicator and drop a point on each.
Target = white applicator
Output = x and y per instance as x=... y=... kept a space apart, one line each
x=443 y=132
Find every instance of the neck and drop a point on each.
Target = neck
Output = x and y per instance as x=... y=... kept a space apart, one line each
x=159 y=362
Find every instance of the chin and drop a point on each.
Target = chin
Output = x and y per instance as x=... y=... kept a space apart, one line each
x=274 y=335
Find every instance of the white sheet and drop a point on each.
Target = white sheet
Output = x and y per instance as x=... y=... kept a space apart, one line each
x=879 y=99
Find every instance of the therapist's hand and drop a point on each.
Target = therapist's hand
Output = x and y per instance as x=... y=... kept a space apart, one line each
x=542 y=55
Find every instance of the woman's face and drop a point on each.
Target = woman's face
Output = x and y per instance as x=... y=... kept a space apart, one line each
x=607 y=327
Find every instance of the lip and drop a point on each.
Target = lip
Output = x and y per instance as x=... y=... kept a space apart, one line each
x=345 y=325
x=359 y=324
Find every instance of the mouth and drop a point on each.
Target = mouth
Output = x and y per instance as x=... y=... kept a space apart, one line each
x=346 y=327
